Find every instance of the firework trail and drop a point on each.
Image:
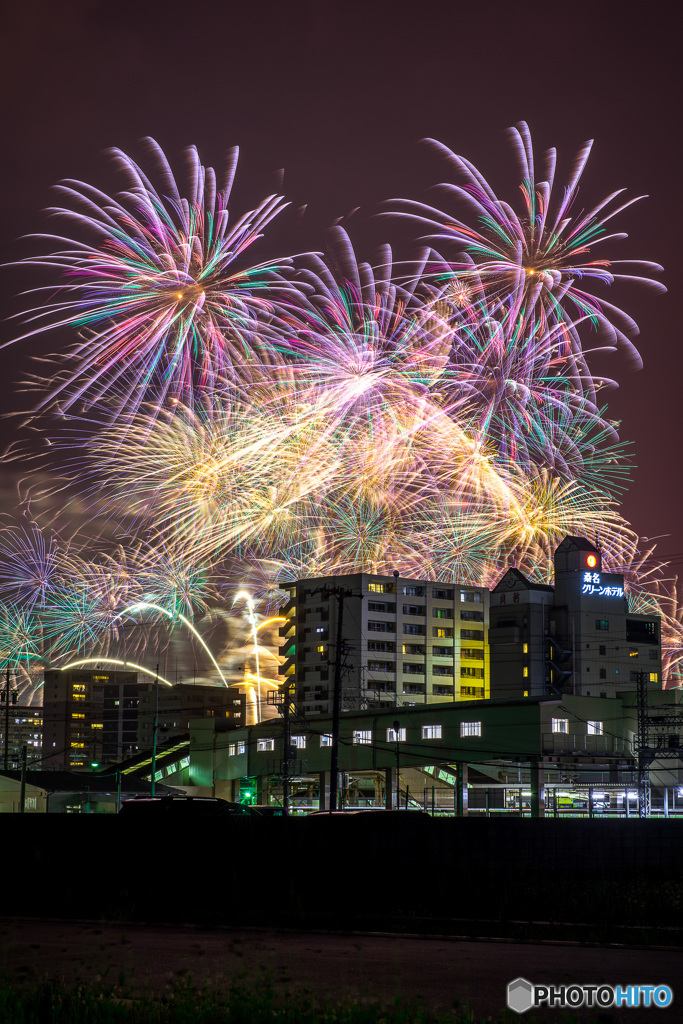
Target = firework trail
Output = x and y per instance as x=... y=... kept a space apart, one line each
x=157 y=287
x=249 y=425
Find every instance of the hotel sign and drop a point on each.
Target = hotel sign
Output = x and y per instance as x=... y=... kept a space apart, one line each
x=592 y=584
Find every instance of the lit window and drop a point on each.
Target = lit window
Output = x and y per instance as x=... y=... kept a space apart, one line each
x=526 y=693
x=362 y=736
x=431 y=732
x=594 y=728
x=633 y=653
x=560 y=725
x=320 y=649
x=77 y=714
x=526 y=671
x=602 y=624
x=232 y=749
x=265 y=744
x=654 y=677
x=376 y=588
x=470 y=728
x=241 y=746
x=96 y=725
x=299 y=742
x=525 y=648
x=396 y=736
x=326 y=739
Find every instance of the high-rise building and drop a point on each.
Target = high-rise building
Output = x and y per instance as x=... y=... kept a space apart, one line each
x=404 y=641
x=578 y=636
x=73 y=714
x=103 y=716
x=25 y=729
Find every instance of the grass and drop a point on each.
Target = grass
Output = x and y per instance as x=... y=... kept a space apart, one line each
x=185 y=1003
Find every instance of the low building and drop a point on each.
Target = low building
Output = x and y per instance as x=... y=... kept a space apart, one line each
x=55 y=792
x=531 y=743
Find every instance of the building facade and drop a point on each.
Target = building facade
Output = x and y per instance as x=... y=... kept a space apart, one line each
x=576 y=637
x=404 y=642
x=103 y=716
x=25 y=730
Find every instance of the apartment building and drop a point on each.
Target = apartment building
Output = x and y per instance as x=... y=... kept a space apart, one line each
x=103 y=716
x=403 y=641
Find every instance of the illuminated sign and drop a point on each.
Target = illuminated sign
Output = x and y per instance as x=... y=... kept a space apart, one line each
x=592 y=584
x=592 y=561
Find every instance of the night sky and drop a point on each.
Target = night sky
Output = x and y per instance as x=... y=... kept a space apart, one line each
x=339 y=95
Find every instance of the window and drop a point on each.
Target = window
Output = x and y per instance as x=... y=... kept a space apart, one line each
x=381 y=666
x=468 y=672
x=467 y=616
x=601 y=624
x=381 y=606
x=413 y=630
x=470 y=634
x=410 y=669
x=326 y=739
x=431 y=732
x=654 y=677
x=413 y=609
x=442 y=613
x=396 y=736
x=633 y=652
x=603 y=673
x=414 y=591
x=442 y=670
x=232 y=749
x=321 y=648
x=362 y=737
x=265 y=744
x=602 y=649
x=77 y=714
x=525 y=672
x=470 y=728
x=321 y=629
x=442 y=632
x=413 y=649
x=560 y=725
x=594 y=728
x=652 y=654
x=376 y=588
x=638 y=632
x=444 y=595
x=633 y=677
x=382 y=627
x=442 y=652
x=299 y=742
x=382 y=645
x=241 y=746
x=473 y=596
x=471 y=691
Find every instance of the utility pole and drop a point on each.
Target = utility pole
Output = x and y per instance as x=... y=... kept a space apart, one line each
x=341 y=593
x=6 y=695
x=155 y=729
x=643 y=752
x=22 y=792
x=286 y=748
